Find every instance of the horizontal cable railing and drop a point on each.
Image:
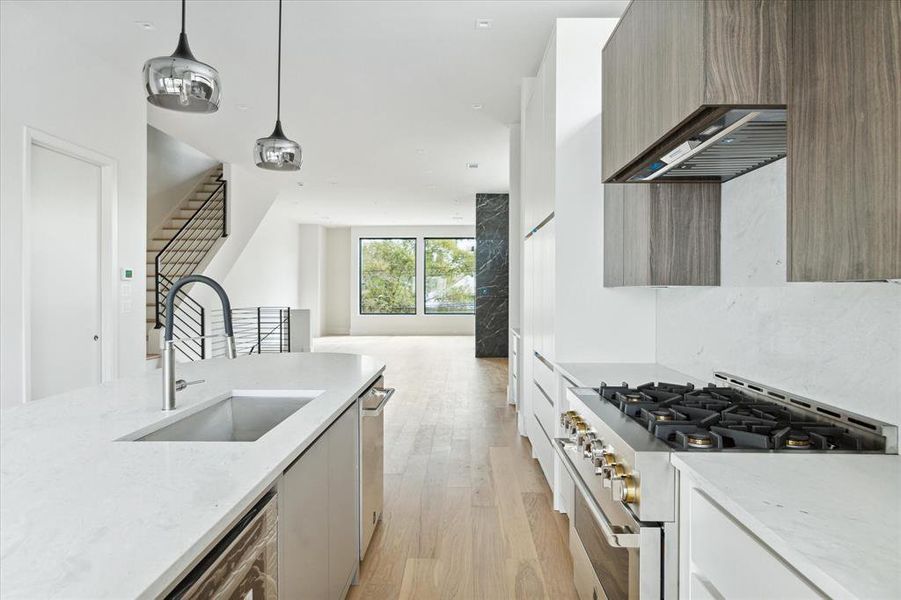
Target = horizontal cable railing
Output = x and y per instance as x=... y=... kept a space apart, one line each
x=181 y=256
x=258 y=330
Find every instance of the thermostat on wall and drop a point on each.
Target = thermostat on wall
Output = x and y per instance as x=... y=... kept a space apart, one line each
x=128 y=274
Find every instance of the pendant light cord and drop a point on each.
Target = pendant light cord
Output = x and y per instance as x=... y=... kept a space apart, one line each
x=278 y=102
x=183 y=16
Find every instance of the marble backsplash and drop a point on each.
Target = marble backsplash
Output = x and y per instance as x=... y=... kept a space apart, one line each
x=838 y=343
x=492 y=274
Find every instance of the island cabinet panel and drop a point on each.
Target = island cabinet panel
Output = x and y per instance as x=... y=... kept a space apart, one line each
x=661 y=234
x=304 y=526
x=667 y=62
x=343 y=485
x=318 y=531
x=844 y=169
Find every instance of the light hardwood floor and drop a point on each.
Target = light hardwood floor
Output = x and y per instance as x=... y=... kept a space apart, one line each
x=467 y=511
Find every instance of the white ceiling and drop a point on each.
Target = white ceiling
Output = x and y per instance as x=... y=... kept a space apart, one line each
x=378 y=93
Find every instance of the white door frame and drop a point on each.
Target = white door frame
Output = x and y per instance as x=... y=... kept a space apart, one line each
x=108 y=243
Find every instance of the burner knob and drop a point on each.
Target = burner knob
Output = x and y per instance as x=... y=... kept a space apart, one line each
x=607 y=459
x=614 y=471
x=567 y=417
x=626 y=489
x=594 y=450
x=587 y=442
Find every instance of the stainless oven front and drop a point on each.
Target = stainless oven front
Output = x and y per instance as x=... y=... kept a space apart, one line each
x=615 y=556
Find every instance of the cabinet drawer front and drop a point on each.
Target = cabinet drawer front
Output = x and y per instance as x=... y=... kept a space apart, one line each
x=544 y=376
x=544 y=452
x=544 y=410
x=718 y=543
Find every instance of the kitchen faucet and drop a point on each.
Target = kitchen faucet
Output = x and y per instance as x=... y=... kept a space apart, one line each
x=170 y=385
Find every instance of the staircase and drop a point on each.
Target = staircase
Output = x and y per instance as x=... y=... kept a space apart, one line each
x=178 y=248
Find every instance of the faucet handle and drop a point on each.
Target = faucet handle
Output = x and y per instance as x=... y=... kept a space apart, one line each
x=181 y=384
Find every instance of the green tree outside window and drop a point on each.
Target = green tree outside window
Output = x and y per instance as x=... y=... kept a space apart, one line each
x=388 y=276
x=450 y=275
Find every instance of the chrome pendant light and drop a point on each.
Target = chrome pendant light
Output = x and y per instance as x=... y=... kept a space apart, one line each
x=180 y=81
x=277 y=152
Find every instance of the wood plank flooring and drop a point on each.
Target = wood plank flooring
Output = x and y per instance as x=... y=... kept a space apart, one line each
x=468 y=514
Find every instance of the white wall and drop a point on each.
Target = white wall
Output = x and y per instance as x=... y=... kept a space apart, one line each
x=420 y=323
x=838 y=343
x=312 y=280
x=267 y=272
x=59 y=89
x=336 y=308
x=249 y=200
x=173 y=170
x=592 y=323
x=515 y=230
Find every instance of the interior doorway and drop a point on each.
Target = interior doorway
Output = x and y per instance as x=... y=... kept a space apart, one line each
x=68 y=268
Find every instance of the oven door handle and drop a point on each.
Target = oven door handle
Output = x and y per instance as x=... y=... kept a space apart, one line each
x=617 y=540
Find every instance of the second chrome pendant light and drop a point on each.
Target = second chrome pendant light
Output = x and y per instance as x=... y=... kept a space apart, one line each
x=276 y=152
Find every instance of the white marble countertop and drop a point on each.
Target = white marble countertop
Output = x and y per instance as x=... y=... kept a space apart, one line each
x=592 y=374
x=85 y=516
x=835 y=518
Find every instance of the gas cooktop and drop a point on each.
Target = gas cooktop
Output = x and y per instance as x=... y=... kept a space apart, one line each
x=715 y=417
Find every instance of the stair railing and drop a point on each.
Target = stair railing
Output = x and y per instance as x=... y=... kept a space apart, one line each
x=258 y=330
x=181 y=256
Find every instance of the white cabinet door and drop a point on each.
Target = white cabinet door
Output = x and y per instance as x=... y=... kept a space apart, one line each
x=343 y=514
x=719 y=558
x=303 y=526
x=318 y=530
x=549 y=288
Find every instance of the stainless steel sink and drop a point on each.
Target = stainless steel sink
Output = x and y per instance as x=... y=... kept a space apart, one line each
x=240 y=417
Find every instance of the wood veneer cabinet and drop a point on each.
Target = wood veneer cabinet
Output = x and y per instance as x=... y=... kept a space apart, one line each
x=661 y=234
x=844 y=153
x=668 y=62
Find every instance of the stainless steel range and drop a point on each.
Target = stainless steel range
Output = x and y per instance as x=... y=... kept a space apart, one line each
x=616 y=448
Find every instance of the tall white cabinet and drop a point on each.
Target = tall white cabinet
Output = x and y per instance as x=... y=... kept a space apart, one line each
x=561 y=211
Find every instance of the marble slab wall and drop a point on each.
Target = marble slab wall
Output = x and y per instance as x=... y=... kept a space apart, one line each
x=838 y=343
x=492 y=274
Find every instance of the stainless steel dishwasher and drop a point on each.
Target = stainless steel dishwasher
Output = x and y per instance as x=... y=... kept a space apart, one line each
x=372 y=459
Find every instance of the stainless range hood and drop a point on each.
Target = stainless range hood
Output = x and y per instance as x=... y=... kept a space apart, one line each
x=718 y=145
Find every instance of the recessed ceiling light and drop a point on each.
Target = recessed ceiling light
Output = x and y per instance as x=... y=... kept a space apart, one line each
x=420 y=151
x=473 y=165
x=145 y=25
x=484 y=23
x=457 y=218
x=300 y=183
x=242 y=106
x=477 y=107
x=333 y=182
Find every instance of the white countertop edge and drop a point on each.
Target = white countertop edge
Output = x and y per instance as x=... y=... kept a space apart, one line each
x=798 y=561
x=183 y=564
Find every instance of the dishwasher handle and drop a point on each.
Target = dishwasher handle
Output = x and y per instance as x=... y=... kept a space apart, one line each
x=380 y=407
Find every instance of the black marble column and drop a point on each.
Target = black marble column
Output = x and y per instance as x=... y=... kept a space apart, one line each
x=492 y=274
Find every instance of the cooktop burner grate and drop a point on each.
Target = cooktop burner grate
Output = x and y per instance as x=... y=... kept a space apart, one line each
x=714 y=418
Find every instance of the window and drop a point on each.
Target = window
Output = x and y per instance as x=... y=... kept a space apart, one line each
x=450 y=276
x=387 y=276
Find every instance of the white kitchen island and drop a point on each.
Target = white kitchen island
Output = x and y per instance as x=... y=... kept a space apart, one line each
x=84 y=515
